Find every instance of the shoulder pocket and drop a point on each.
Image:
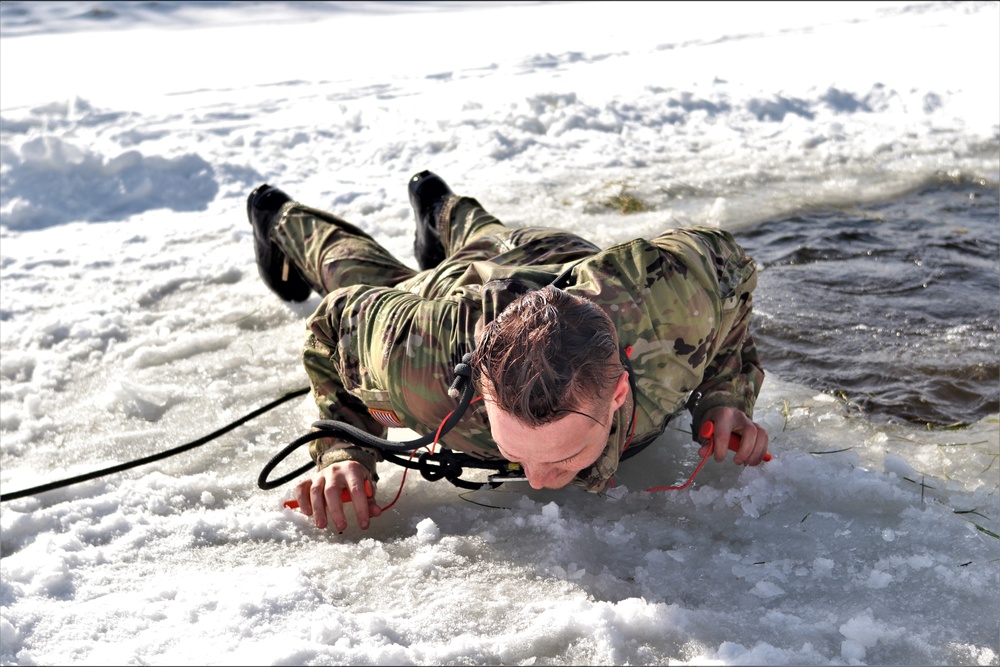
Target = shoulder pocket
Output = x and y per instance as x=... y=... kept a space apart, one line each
x=380 y=408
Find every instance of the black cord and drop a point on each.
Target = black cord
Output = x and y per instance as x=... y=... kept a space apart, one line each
x=462 y=386
x=159 y=455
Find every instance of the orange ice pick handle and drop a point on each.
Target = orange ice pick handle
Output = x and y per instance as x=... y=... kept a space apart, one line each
x=345 y=496
x=708 y=430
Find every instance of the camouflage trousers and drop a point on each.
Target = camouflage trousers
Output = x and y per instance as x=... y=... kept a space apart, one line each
x=331 y=253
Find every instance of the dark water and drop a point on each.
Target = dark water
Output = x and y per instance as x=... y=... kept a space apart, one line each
x=893 y=307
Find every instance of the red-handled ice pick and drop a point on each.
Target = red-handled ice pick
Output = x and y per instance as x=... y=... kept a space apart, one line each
x=708 y=430
x=345 y=497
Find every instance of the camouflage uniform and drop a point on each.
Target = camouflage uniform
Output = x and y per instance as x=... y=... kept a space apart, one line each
x=382 y=345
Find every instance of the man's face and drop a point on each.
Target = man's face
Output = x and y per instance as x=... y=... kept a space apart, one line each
x=553 y=454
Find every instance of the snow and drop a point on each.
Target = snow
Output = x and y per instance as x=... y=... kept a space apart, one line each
x=132 y=320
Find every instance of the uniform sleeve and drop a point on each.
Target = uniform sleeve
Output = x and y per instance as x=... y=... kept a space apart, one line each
x=335 y=403
x=734 y=376
x=709 y=305
x=379 y=355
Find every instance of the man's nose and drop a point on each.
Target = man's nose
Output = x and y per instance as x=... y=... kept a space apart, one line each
x=538 y=476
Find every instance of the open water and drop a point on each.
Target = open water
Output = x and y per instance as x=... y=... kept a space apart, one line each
x=893 y=307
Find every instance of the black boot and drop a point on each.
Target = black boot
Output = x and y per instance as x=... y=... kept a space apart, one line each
x=277 y=272
x=428 y=194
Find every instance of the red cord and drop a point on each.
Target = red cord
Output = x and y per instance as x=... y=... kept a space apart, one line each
x=690 y=479
x=401 y=483
x=437 y=436
x=682 y=486
x=707 y=431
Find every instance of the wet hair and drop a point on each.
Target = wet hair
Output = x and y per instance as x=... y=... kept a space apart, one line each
x=546 y=354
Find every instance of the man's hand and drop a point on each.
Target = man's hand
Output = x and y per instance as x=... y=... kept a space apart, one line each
x=753 y=437
x=319 y=496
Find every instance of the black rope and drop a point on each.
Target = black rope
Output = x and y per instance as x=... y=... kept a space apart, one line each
x=450 y=465
x=159 y=455
x=444 y=464
x=462 y=386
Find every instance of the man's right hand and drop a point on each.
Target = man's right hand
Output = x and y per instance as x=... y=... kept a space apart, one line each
x=319 y=496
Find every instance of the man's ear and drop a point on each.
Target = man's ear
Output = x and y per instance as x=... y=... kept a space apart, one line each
x=621 y=390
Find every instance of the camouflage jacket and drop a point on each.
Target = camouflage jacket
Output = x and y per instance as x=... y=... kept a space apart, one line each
x=681 y=302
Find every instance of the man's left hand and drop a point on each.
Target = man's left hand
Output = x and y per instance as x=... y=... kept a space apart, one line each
x=753 y=437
